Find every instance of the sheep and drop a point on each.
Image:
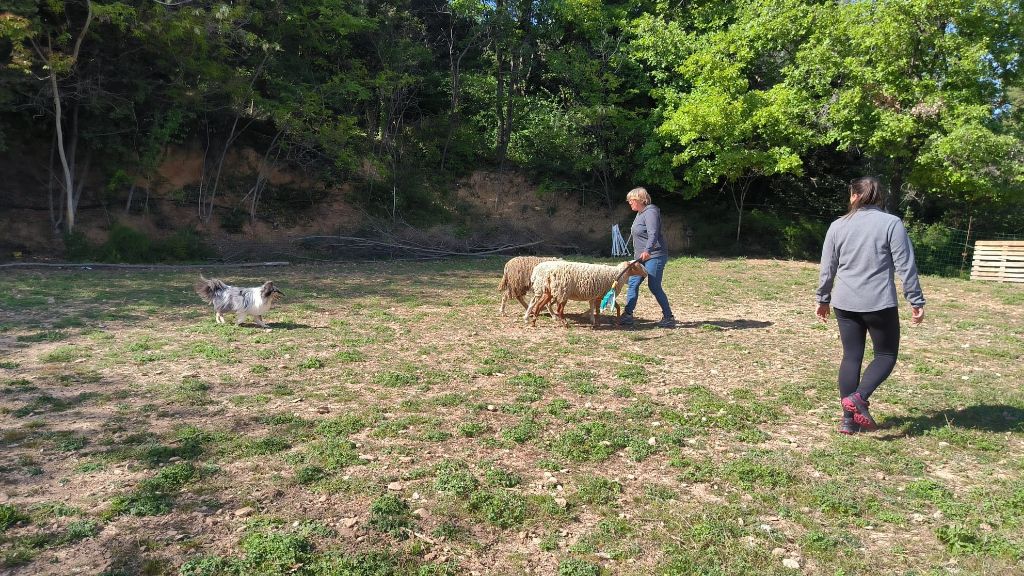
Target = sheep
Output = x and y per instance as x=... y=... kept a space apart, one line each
x=515 y=280
x=538 y=278
x=566 y=281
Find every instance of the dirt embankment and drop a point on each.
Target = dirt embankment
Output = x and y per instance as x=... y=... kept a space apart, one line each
x=491 y=210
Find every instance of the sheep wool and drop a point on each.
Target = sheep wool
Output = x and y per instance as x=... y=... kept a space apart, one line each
x=580 y=281
x=538 y=281
x=515 y=280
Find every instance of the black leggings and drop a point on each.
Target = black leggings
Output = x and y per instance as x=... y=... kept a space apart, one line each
x=884 y=328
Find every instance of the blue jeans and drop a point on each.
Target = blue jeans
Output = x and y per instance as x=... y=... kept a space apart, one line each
x=655 y=266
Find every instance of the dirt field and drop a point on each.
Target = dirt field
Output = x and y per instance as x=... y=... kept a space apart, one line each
x=391 y=422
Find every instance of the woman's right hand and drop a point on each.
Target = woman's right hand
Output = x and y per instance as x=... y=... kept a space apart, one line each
x=823 y=311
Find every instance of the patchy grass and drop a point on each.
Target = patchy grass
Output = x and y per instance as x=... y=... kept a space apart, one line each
x=390 y=423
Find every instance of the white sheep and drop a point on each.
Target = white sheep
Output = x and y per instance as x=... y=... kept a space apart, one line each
x=515 y=280
x=538 y=279
x=564 y=281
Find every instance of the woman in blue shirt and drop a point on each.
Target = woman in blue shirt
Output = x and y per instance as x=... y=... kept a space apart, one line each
x=649 y=248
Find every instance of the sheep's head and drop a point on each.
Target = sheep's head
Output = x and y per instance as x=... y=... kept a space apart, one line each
x=627 y=269
x=636 y=269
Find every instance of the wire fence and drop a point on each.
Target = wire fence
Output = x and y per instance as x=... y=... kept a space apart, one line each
x=945 y=251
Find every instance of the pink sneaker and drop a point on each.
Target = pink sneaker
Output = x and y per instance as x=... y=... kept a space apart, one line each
x=859 y=406
x=848 y=426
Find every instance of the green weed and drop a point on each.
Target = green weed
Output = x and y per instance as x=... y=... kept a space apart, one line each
x=390 y=514
x=454 y=477
x=577 y=567
x=598 y=490
x=502 y=508
x=63 y=354
x=9 y=516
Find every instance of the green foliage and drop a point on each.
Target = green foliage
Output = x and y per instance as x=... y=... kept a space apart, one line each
x=9 y=516
x=155 y=496
x=591 y=441
x=598 y=490
x=796 y=238
x=454 y=477
x=577 y=567
x=524 y=431
x=502 y=508
x=758 y=471
x=390 y=514
x=395 y=379
x=273 y=553
x=739 y=99
x=939 y=250
x=63 y=354
x=502 y=478
x=125 y=244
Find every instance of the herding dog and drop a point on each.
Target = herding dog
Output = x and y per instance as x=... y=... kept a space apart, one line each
x=243 y=302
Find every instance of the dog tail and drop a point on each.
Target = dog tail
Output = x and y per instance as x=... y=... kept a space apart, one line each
x=207 y=288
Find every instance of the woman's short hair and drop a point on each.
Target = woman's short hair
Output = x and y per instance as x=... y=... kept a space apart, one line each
x=869 y=192
x=639 y=193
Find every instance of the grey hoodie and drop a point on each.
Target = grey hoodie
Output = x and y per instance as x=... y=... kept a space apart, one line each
x=860 y=255
x=646 y=231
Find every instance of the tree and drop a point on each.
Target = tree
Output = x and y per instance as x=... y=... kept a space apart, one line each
x=727 y=113
x=55 y=43
x=920 y=88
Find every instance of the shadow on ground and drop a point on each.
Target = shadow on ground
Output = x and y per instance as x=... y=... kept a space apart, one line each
x=722 y=324
x=984 y=417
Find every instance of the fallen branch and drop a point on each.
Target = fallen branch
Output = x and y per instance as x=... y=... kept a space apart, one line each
x=92 y=265
x=353 y=241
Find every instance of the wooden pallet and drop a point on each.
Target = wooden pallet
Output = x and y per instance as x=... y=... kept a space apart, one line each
x=998 y=260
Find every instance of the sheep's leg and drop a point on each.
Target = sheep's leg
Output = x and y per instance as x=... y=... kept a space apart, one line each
x=522 y=300
x=547 y=302
x=618 y=314
x=544 y=300
x=595 y=312
x=561 y=313
x=504 y=298
x=529 y=308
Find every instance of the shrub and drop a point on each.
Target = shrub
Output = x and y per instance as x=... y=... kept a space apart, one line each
x=126 y=244
x=937 y=249
x=802 y=239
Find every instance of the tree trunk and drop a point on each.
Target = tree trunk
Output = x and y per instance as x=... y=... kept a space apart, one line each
x=739 y=197
x=58 y=113
x=69 y=189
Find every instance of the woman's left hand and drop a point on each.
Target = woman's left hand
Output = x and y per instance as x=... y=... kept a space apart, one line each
x=917 y=315
x=823 y=311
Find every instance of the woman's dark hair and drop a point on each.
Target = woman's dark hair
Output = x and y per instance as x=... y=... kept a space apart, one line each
x=869 y=192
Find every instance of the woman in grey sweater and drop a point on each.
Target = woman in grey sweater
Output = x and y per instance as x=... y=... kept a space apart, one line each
x=862 y=252
x=649 y=248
